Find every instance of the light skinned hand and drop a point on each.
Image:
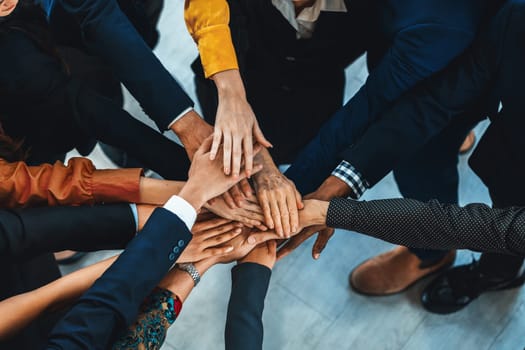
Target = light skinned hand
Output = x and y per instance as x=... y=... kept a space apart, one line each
x=250 y=213
x=241 y=247
x=236 y=126
x=262 y=254
x=210 y=239
x=206 y=179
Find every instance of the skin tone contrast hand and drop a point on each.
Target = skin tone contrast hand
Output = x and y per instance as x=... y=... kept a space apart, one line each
x=210 y=238
x=250 y=213
x=331 y=187
x=7 y=7
x=206 y=180
x=278 y=198
x=262 y=254
x=192 y=130
x=236 y=126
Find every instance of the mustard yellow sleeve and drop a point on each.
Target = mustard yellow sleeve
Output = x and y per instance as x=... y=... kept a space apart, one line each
x=207 y=22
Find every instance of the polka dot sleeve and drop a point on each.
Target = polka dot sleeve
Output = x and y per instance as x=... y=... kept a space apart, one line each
x=433 y=225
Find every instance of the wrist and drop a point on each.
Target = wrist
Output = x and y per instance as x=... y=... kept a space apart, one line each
x=333 y=187
x=229 y=83
x=191 y=130
x=193 y=196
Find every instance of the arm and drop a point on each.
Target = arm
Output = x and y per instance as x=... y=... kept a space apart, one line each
x=244 y=328
x=236 y=124
x=433 y=225
x=109 y=34
x=77 y=183
x=25 y=233
x=416 y=53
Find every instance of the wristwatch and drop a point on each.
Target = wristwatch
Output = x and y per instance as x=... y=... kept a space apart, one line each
x=191 y=270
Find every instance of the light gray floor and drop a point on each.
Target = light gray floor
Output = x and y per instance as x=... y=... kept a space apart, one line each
x=309 y=304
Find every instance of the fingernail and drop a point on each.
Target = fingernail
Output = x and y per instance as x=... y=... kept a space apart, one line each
x=238 y=230
x=229 y=249
x=316 y=256
x=251 y=240
x=294 y=229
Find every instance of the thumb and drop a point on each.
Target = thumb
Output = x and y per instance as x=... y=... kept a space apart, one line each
x=259 y=136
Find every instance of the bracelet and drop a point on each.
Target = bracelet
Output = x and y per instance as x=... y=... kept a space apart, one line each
x=191 y=270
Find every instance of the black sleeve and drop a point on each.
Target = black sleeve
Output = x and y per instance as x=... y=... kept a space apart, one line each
x=430 y=106
x=433 y=225
x=244 y=328
x=26 y=233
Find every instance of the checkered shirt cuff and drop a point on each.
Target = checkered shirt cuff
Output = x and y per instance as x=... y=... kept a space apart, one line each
x=347 y=173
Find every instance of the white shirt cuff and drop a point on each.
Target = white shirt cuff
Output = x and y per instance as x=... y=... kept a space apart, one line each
x=182 y=209
x=180 y=116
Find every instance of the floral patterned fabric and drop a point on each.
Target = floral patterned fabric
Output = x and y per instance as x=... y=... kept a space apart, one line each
x=158 y=311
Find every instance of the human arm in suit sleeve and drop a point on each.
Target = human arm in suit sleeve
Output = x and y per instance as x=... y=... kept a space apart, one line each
x=26 y=233
x=431 y=105
x=108 y=33
x=244 y=328
x=433 y=225
x=416 y=53
x=112 y=303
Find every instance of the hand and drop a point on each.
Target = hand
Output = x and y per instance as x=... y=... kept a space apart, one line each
x=279 y=200
x=192 y=130
x=250 y=213
x=210 y=240
x=325 y=233
x=241 y=247
x=263 y=254
x=237 y=194
x=206 y=179
x=235 y=124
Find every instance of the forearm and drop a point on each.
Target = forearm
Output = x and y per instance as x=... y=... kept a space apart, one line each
x=154 y=191
x=22 y=309
x=433 y=225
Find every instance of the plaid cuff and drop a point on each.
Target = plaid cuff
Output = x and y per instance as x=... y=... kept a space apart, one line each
x=351 y=177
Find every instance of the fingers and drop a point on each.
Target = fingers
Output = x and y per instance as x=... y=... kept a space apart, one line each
x=291 y=204
x=222 y=235
x=276 y=214
x=237 y=195
x=201 y=226
x=296 y=241
x=272 y=247
x=265 y=205
x=248 y=155
x=285 y=217
x=298 y=199
x=227 y=152
x=260 y=237
x=245 y=187
x=321 y=241
x=229 y=200
x=236 y=155
x=216 y=251
x=259 y=136
x=217 y=137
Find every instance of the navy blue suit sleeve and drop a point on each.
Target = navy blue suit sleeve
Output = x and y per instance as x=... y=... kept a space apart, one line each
x=416 y=53
x=112 y=303
x=417 y=117
x=244 y=328
x=29 y=232
x=109 y=34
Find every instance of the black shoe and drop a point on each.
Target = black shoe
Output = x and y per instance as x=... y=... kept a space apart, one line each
x=457 y=287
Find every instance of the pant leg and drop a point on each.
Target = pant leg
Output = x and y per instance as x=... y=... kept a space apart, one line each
x=432 y=172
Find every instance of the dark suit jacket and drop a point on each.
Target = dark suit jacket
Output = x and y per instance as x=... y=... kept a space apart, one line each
x=410 y=41
x=27 y=236
x=491 y=70
x=112 y=303
x=244 y=328
x=110 y=35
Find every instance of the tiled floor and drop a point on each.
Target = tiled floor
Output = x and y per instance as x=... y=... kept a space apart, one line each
x=309 y=304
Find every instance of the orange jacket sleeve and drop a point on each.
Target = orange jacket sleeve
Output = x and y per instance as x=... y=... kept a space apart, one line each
x=207 y=22
x=77 y=183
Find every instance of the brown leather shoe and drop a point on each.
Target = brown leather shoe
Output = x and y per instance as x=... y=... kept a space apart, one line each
x=393 y=272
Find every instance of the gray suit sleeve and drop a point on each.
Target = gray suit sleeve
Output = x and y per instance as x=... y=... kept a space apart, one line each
x=433 y=225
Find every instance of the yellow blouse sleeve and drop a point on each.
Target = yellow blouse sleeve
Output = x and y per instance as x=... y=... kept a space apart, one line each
x=207 y=22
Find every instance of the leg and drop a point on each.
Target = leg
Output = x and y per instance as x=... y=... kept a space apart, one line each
x=457 y=287
x=430 y=174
